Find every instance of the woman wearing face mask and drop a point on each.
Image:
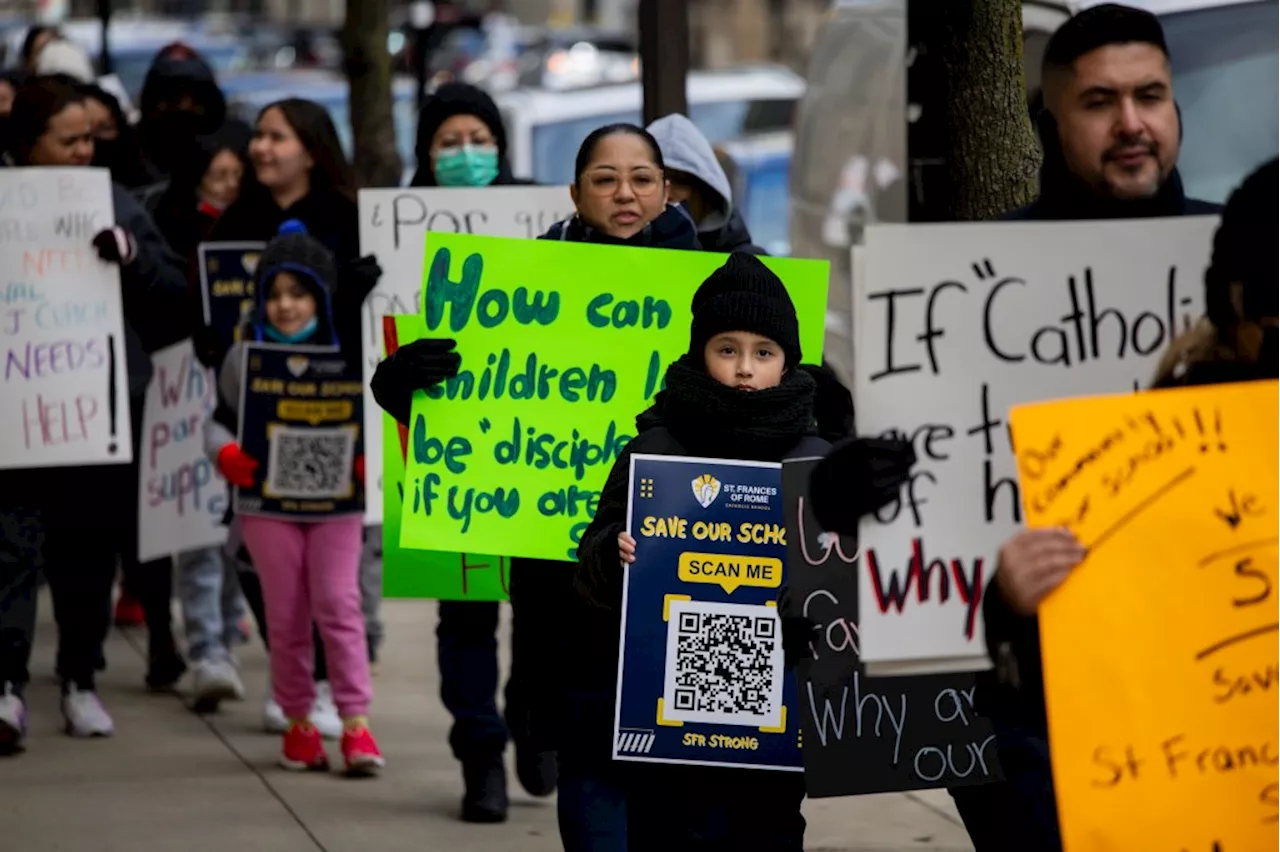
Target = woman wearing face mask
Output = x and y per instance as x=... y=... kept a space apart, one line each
x=51 y=129
x=115 y=143
x=461 y=140
x=299 y=171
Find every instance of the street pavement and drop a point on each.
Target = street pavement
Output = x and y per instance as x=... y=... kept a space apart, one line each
x=170 y=780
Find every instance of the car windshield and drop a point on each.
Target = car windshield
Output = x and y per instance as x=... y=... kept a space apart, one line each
x=1224 y=77
x=555 y=144
x=766 y=208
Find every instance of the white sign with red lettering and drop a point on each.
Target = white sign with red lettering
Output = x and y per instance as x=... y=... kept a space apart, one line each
x=66 y=392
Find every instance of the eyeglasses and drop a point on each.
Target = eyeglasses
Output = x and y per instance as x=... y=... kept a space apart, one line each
x=643 y=182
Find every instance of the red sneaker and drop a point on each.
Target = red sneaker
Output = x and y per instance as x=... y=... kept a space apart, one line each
x=303 y=749
x=129 y=612
x=360 y=751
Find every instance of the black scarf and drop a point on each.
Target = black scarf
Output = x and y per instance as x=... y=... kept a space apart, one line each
x=714 y=420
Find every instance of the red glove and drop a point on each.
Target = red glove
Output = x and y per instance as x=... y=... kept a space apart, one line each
x=360 y=468
x=236 y=465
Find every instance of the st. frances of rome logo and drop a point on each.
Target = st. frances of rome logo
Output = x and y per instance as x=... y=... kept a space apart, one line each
x=706 y=489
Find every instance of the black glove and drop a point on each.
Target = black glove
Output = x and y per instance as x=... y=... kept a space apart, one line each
x=832 y=404
x=359 y=277
x=209 y=346
x=798 y=632
x=419 y=365
x=116 y=245
x=859 y=476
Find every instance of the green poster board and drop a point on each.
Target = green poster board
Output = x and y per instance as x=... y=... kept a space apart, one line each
x=425 y=573
x=562 y=345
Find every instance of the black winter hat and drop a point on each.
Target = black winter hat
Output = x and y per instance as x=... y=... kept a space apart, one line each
x=1241 y=281
x=458 y=99
x=294 y=250
x=745 y=295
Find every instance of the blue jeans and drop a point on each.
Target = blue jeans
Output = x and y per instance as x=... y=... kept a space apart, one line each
x=615 y=806
x=209 y=589
x=467 y=650
x=1024 y=757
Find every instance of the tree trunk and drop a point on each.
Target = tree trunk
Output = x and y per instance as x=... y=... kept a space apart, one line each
x=368 y=66
x=991 y=151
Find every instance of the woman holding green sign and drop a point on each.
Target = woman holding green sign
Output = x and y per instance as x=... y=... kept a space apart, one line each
x=621 y=197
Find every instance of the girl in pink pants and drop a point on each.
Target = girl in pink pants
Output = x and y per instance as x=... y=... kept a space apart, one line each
x=309 y=570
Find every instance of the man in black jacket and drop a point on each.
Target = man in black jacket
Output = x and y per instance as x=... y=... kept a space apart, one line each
x=1111 y=133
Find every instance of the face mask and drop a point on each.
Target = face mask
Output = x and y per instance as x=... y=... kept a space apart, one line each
x=467 y=166
x=297 y=337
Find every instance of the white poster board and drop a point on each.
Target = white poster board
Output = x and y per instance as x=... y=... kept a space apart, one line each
x=955 y=324
x=393 y=226
x=181 y=495
x=66 y=388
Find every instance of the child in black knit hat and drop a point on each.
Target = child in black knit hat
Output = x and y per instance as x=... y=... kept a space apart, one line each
x=737 y=394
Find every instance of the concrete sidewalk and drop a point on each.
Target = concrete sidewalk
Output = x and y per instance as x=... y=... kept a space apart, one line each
x=170 y=780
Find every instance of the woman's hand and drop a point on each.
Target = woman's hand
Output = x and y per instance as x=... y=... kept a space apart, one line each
x=626 y=549
x=1035 y=562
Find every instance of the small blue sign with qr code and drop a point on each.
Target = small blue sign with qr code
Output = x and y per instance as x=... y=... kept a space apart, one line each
x=701 y=672
x=301 y=419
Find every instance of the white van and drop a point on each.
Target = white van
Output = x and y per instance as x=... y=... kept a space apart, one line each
x=850 y=165
x=545 y=128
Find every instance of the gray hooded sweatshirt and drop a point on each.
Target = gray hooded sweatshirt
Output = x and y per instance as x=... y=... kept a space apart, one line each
x=685 y=149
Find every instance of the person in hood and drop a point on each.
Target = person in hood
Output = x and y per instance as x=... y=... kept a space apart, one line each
x=1110 y=127
x=737 y=395
x=180 y=100
x=461 y=140
x=622 y=196
x=699 y=183
x=115 y=141
x=1111 y=134
x=309 y=570
x=51 y=129
x=462 y=143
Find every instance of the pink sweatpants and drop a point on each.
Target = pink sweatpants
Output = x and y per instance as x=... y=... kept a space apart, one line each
x=310 y=573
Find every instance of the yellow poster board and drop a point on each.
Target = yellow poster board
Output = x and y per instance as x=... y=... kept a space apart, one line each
x=1160 y=649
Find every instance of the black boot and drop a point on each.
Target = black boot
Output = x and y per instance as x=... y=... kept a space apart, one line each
x=536 y=764
x=165 y=666
x=485 y=799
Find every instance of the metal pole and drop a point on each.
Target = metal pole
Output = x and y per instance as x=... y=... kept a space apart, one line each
x=104 y=55
x=664 y=57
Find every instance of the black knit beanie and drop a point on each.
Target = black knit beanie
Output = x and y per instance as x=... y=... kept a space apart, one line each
x=745 y=295
x=294 y=250
x=1243 y=256
x=457 y=99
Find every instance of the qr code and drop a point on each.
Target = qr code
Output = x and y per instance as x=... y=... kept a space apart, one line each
x=311 y=463
x=724 y=664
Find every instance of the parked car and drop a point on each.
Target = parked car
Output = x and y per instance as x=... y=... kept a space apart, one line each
x=331 y=91
x=759 y=169
x=545 y=128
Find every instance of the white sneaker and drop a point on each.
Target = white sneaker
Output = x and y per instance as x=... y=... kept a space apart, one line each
x=273 y=719
x=214 y=681
x=324 y=713
x=13 y=721
x=85 y=715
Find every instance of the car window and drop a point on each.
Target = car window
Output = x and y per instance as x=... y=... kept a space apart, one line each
x=765 y=208
x=1224 y=78
x=556 y=143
